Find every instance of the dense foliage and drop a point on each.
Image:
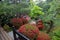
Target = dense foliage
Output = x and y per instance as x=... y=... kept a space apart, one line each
x=44 y=10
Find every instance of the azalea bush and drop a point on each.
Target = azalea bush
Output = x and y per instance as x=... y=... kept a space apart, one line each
x=17 y=22
x=33 y=33
x=43 y=36
x=40 y=24
x=29 y=30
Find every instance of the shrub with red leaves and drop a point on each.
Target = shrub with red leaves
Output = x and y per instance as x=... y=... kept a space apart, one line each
x=40 y=24
x=43 y=36
x=24 y=20
x=17 y=22
x=29 y=30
